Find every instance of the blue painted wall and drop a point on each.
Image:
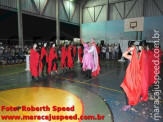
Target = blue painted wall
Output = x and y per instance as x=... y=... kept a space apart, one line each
x=113 y=31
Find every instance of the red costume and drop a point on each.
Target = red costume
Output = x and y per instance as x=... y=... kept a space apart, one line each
x=80 y=52
x=52 y=56
x=34 y=63
x=98 y=49
x=43 y=53
x=144 y=71
x=157 y=57
x=151 y=65
x=70 y=57
x=132 y=81
x=63 y=57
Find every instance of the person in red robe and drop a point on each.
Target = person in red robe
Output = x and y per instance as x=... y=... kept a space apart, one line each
x=132 y=81
x=74 y=51
x=80 y=54
x=34 y=62
x=53 y=64
x=70 y=57
x=98 y=49
x=144 y=70
x=44 y=59
x=64 y=57
x=157 y=59
x=150 y=64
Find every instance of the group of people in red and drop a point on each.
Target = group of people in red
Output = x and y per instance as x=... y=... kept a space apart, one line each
x=141 y=72
x=50 y=60
x=38 y=62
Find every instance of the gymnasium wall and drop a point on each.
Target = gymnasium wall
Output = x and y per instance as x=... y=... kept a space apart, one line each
x=113 y=31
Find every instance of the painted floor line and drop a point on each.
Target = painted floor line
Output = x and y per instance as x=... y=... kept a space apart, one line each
x=89 y=84
x=102 y=75
x=93 y=85
x=78 y=81
x=9 y=66
x=12 y=73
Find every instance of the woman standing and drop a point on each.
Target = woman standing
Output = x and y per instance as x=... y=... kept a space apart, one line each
x=53 y=64
x=144 y=71
x=132 y=81
x=64 y=57
x=88 y=62
x=34 y=62
x=150 y=54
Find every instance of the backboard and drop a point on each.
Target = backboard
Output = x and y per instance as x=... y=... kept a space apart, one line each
x=134 y=24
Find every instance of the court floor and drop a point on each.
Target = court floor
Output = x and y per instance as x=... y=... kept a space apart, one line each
x=101 y=95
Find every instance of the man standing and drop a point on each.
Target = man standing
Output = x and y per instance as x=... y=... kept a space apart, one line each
x=34 y=62
x=44 y=59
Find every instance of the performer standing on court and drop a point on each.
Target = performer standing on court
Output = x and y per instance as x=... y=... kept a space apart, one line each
x=34 y=62
x=53 y=64
x=80 y=54
x=157 y=58
x=132 y=81
x=74 y=51
x=88 y=61
x=44 y=59
x=64 y=57
x=150 y=64
x=70 y=57
x=144 y=70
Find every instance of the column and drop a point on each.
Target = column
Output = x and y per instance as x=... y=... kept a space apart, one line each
x=20 y=23
x=81 y=19
x=57 y=23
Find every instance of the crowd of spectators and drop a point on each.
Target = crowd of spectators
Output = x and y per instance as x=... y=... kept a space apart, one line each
x=109 y=51
x=12 y=54
x=15 y=54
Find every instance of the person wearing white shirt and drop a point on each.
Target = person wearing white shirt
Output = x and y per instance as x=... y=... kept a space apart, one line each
x=104 y=52
x=110 y=51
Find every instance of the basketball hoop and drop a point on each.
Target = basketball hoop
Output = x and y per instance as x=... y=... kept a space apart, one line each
x=134 y=24
x=133 y=27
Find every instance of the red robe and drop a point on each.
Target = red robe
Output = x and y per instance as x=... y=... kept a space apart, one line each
x=63 y=57
x=70 y=58
x=132 y=81
x=34 y=63
x=144 y=72
x=74 y=51
x=157 y=56
x=151 y=65
x=98 y=49
x=80 y=51
x=43 y=52
x=52 y=55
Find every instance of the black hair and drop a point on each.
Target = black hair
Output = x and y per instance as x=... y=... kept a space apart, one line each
x=150 y=46
x=131 y=43
x=143 y=43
